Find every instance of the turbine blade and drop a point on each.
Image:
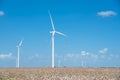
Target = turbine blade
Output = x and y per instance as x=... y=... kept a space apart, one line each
x=51 y=21
x=60 y=33
x=20 y=42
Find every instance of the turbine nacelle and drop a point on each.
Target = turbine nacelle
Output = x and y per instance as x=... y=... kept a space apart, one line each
x=53 y=33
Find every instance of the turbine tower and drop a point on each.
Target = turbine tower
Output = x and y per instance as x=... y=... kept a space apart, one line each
x=53 y=32
x=18 y=58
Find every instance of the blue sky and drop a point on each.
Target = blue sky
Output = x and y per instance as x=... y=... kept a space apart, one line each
x=92 y=29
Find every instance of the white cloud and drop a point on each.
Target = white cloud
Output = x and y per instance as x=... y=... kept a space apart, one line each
x=72 y=55
x=103 y=51
x=1 y=13
x=4 y=56
x=84 y=53
x=34 y=56
x=89 y=55
x=94 y=56
x=106 y=13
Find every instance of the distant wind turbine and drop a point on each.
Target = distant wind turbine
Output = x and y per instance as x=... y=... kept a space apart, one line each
x=53 y=33
x=18 y=59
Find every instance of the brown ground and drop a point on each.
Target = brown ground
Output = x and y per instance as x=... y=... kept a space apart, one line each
x=60 y=74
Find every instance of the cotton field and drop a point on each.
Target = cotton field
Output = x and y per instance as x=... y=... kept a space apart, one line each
x=60 y=74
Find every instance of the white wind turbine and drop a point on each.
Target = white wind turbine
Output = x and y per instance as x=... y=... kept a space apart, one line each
x=18 y=58
x=53 y=33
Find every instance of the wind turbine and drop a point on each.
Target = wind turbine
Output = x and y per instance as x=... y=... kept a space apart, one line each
x=18 y=58
x=53 y=32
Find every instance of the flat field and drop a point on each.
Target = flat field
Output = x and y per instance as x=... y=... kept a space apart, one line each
x=60 y=74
